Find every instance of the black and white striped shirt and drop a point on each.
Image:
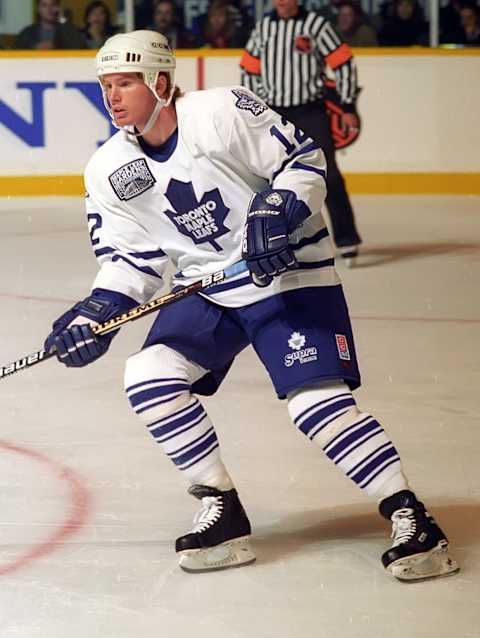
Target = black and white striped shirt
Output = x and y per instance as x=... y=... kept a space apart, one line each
x=284 y=60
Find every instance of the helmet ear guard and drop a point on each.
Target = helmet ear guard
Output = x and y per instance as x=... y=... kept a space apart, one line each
x=145 y=52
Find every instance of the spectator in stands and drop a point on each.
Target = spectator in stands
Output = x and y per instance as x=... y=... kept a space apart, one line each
x=405 y=27
x=98 y=24
x=450 y=18
x=224 y=25
x=143 y=13
x=468 y=31
x=220 y=30
x=385 y=12
x=330 y=10
x=48 y=32
x=352 y=26
x=166 y=22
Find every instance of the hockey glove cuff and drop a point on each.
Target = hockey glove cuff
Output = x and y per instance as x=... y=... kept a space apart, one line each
x=72 y=337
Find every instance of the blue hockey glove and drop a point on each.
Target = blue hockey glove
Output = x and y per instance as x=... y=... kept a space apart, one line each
x=77 y=346
x=273 y=214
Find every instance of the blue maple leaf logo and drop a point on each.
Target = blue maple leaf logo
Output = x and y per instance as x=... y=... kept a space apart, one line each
x=202 y=221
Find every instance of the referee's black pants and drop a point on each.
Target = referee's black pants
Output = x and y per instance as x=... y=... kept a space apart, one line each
x=313 y=120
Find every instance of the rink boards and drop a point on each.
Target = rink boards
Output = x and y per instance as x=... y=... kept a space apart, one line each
x=418 y=106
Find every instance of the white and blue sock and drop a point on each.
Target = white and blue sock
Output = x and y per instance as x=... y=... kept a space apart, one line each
x=328 y=415
x=157 y=384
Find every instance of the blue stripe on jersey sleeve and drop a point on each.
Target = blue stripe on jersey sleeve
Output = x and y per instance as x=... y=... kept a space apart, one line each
x=312 y=169
x=148 y=254
x=313 y=146
x=145 y=269
x=104 y=251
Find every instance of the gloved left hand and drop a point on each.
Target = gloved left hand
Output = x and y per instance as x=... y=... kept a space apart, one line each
x=273 y=214
x=72 y=337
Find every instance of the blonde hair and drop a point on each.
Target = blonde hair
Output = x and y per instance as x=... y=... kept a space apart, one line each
x=177 y=91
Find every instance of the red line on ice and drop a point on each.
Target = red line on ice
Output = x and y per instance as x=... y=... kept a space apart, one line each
x=76 y=518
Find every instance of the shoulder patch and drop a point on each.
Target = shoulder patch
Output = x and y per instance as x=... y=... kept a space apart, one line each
x=246 y=102
x=132 y=179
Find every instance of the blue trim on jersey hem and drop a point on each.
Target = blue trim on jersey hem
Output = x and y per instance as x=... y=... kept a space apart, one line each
x=352 y=382
x=310 y=265
x=307 y=241
x=229 y=285
x=245 y=281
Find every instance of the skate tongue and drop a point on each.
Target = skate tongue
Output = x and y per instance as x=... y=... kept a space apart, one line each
x=201 y=491
x=401 y=500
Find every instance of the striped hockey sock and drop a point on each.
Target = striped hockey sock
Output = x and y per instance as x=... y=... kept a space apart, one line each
x=353 y=440
x=179 y=424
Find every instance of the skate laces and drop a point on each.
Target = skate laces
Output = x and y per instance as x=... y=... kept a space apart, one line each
x=404 y=526
x=212 y=508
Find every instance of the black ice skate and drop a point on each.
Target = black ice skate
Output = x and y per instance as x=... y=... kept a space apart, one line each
x=220 y=536
x=420 y=548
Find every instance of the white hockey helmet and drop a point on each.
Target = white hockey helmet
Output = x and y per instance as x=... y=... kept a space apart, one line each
x=145 y=52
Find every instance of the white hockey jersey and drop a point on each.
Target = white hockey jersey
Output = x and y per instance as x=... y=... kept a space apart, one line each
x=187 y=201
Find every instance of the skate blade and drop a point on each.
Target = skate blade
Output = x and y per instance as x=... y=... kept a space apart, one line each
x=235 y=553
x=434 y=564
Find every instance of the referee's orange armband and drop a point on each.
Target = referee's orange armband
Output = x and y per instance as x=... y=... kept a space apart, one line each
x=339 y=56
x=250 y=63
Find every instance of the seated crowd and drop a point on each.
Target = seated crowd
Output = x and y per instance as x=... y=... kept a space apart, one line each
x=227 y=24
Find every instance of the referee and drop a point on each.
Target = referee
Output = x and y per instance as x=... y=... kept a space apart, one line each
x=284 y=63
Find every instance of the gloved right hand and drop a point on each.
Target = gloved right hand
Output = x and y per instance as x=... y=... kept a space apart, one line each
x=72 y=337
x=272 y=215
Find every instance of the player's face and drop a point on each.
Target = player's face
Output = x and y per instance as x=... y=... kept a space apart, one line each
x=130 y=99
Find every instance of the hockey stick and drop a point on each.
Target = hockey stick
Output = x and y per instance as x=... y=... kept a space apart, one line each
x=140 y=311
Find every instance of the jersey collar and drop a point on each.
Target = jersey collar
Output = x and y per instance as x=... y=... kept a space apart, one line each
x=163 y=152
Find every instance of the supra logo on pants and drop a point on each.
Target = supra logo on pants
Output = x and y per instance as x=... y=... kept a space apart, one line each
x=297 y=342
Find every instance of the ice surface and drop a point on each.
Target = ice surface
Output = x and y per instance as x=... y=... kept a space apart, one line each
x=90 y=508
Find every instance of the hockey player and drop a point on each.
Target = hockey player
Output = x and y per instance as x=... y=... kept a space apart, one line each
x=203 y=180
